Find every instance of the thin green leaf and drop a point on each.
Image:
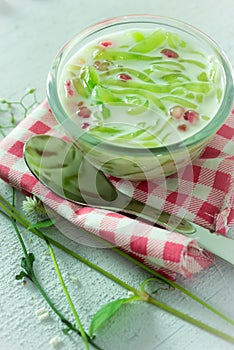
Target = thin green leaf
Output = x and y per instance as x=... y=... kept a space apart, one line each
x=157 y=280
x=146 y=281
x=21 y=275
x=31 y=258
x=31 y=91
x=24 y=264
x=43 y=224
x=66 y=330
x=105 y=313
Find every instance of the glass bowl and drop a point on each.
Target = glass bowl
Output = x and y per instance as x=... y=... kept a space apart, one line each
x=128 y=157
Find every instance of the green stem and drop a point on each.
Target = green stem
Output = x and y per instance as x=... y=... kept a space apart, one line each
x=151 y=300
x=60 y=315
x=174 y=285
x=6 y=127
x=33 y=278
x=144 y=296
x=24 y=222
x=191 y=320
x=20 y=103
x=83 y=334
x=2 y=132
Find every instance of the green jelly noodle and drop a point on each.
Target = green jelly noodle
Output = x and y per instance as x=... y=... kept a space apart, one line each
x=142 y=88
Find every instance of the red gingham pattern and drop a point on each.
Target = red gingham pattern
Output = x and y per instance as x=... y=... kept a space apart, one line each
x=202 y=192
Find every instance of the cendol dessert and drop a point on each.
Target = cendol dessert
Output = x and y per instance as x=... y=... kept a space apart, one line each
x=140 y=95
x=142 y=88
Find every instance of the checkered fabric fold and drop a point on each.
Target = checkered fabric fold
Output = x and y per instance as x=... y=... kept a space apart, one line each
x=202 y=192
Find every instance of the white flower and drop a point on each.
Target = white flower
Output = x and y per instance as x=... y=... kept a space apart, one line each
x=34 y=208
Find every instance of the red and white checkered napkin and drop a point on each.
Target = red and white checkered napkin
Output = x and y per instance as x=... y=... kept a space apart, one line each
x=202 y=192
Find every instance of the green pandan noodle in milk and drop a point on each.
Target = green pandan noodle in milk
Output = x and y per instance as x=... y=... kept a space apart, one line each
x=141 y=89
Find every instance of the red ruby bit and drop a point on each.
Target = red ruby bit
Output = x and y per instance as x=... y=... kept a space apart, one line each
x=169 y=53
x=182 y=127
x=85 y=125
x=106 y=43
x=68 y=88
x=125 y=77
x=84 y=112
x=191 y=116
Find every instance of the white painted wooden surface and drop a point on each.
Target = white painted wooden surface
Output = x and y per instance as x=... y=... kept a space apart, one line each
x=31 y=32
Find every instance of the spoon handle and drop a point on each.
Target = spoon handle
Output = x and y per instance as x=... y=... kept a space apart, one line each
x=159 y=217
